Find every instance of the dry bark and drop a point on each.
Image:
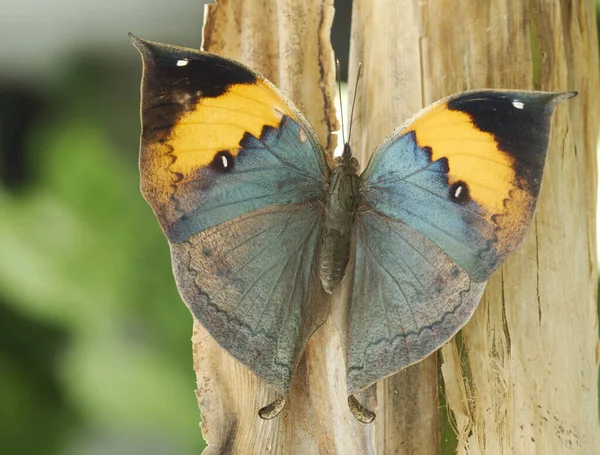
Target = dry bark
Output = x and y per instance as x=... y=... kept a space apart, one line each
x=521 y=377
x=288 y=42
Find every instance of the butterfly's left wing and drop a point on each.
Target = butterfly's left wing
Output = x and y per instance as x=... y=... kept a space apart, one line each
x=446 y=198
x=235 y=176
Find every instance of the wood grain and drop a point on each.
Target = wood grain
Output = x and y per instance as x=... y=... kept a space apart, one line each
x=386 y=39
x=288 y=42
x=521 y=377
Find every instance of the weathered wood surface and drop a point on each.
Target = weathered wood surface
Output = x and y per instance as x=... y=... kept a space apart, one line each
x=386 y=38
x=523 y=379
x=288 y=42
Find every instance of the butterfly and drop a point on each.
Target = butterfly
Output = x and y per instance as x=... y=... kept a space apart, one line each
x=262 y=230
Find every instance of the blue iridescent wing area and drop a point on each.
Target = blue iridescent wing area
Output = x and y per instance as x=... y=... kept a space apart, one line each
x=235 y=176
x=446 y=198
x=406 y=184
x=218 y=141
x=250 y=282
x=272 y=169
x=408 y=299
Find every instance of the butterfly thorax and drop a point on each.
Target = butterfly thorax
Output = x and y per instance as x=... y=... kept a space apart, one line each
x=342 y=199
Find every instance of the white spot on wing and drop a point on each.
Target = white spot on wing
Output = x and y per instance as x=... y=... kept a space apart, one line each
x=182 y=62
x=224 y=161
x=459 y=190
x=518 y=104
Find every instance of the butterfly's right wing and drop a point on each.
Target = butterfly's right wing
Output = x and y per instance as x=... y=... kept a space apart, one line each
x=446 y=198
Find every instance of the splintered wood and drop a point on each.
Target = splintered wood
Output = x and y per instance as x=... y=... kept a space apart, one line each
x=521 y=378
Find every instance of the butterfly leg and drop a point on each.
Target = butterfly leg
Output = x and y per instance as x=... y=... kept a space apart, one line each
x=272 y=409
x=362 y=414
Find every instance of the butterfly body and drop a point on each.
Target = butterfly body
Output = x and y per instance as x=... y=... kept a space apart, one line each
x=343 y=199
x=261 y=230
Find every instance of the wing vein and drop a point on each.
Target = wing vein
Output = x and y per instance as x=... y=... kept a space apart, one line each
x=403 y=295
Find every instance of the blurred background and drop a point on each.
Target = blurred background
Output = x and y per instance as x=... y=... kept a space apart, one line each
x=95 y=352
x=94 y=340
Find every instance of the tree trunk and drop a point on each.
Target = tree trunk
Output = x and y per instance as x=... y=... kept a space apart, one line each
x=521 y=377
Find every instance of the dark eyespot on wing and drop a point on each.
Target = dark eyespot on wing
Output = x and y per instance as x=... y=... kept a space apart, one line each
x=459 y=192
x=223 y=161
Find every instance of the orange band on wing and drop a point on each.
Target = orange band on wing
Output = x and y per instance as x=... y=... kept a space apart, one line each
x=220 y=123
x=212 y=125
x=472 y=155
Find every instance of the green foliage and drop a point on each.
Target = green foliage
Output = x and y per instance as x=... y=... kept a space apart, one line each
x=82 y=253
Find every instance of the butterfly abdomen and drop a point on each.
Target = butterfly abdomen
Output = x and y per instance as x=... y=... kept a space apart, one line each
x=342 y=200
x=335 y=252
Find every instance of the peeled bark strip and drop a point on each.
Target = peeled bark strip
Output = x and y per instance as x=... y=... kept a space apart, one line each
x=521 y=376
x=386 y=39
x=288 y=42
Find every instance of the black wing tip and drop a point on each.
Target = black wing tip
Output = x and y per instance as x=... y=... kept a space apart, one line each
x=551 y=99
x=152 y=50
x=563 y=96
x=144 y=47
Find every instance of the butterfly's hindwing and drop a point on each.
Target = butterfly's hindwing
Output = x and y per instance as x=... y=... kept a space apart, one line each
x=408 y=299
x=250 y=282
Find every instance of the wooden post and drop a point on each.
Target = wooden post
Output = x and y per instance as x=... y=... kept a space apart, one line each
x=522 y=378
x=288 y=42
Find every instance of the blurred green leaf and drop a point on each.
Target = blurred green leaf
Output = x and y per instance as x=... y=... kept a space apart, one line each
x=81 y=250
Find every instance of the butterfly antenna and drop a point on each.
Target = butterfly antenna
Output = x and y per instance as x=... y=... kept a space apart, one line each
x=354 y=100
x=339 y=81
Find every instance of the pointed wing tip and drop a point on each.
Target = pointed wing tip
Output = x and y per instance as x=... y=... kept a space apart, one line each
x=141 y=45
x=563 y=96
x=148 y=49
x=137 y=42
x=558 y=97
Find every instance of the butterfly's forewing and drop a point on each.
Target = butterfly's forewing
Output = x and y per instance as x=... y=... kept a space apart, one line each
x=466 y=173
x=218 y=141
x=236 y=178
x=446 y=198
